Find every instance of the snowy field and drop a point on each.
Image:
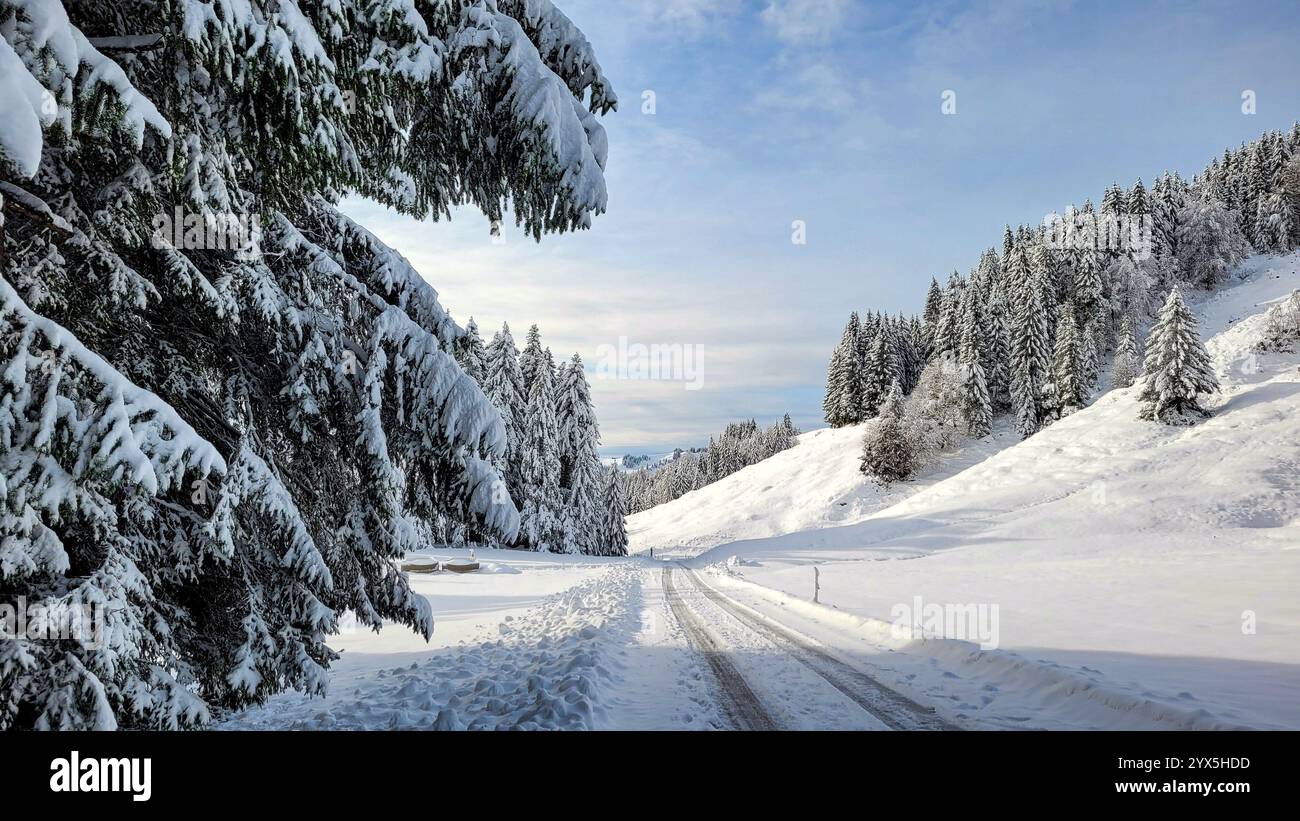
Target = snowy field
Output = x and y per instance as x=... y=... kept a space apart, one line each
x=1123 y=556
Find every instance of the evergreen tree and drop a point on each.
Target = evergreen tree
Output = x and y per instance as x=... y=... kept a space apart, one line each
x=1178 y=368
x=833 y=403
x=977 y=406
x=579 y=441
x=533 y=357
x=1138 y=203
x=1254 y=186
x=471 y=354
x=843 y=404
x=1087 y=291
x=1272 y=224
x=542 y=516
x=1016 y=272
x=613 y=529
x=504 y=386
x=1128 y=366
x=1029 y=359
x=879 y=374
x=1209 y=242
x=999 y=335
x=1166 y=201
x=1113 y=201
x=1089 y=355
x=933 y=310
x=1067 y=367
x=887 y=450
x=947 y=331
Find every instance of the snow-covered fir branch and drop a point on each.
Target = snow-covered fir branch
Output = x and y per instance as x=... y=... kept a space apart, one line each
x=228 y=410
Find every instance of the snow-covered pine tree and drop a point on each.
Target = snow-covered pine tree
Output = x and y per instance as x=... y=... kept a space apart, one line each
x=1210 y=244
x=1113 y=201
x=947 y=331
x=888 y=454
x=1166 y=200
x=999 y=337
x=1138 y=202
x=1045 y=276
x=542 y=514
x=843 y=403
x=1254 y=186
x=252 y=406
x=988 y=271
x=1015 y=274
x=1067 y=366
x=1090 y=345
x=532 y=358
x=1178 y=367
x=933 y=310
x=504 y=385
x=833 y=402
x=1288 y=184
x=1272 y=223
x=1029 y=357
x=879 y=373
x=977 y=407
x=857 y=342
x=613 y=523
x=1128 y=366
x=918 y=346
x=579 y=442
x=1086 y=295
x=471 y=354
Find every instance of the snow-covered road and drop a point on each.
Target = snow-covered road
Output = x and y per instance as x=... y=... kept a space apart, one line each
x=620 y=645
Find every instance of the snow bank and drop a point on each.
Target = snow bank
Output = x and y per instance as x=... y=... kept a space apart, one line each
x=551 y=668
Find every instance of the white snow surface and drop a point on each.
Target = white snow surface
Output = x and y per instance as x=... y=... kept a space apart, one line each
x=525 y=643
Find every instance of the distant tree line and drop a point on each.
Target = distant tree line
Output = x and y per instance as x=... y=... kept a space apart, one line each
x=742 y=444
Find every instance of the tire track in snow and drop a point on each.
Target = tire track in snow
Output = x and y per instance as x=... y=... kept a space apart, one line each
x=741 y=706
x=895 y=710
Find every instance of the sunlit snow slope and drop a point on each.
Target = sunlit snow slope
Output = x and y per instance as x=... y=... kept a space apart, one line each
x=1159 y=564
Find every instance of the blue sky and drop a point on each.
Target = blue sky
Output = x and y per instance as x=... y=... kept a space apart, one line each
x=829 y=112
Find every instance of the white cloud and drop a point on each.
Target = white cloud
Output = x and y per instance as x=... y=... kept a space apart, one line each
x=692 y=14
x=804 y=21
x=813 y=87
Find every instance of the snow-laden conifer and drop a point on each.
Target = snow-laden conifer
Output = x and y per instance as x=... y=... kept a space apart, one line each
x=232 y=407
x=1178 y=369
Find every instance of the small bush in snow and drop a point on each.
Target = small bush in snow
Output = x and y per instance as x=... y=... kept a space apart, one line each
x=1281 y=326
x=888 y=452
x=935 y=421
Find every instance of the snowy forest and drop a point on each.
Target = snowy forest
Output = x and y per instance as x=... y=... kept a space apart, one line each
x=569 y=502
x=1029 y=331
x=228 y=409
x=742 y=444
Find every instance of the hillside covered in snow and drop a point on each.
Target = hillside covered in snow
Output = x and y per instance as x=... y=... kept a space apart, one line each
x=1143 y=574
